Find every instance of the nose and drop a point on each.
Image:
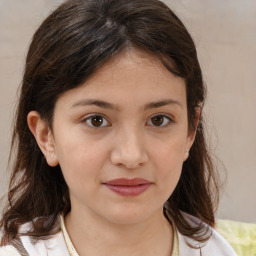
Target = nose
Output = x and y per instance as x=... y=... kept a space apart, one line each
x=129 y=150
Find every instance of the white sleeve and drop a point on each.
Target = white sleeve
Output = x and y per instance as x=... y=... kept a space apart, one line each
x=215 y=246
x=8 y=251
x=51 y=247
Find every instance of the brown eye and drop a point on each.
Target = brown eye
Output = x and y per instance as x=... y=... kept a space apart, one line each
x=157 y=120
x=160 y=120
x=96 y=121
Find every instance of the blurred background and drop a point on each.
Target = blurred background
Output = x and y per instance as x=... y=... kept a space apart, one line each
x=224 y=32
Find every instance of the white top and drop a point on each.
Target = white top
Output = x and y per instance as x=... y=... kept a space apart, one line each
x=61 y=245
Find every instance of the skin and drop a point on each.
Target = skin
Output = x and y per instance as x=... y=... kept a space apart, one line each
x=126 y=143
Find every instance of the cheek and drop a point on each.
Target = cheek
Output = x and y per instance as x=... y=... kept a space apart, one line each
x=80 y=161
x=170 y=152
x=169 y=160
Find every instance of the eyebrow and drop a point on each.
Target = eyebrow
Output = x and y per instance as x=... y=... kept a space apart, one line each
x=162 y=103
x=107 y=105
x=98 y=103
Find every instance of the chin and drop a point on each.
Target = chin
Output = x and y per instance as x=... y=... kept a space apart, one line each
x=128 y=216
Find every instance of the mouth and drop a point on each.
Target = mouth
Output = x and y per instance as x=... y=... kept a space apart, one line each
x=128 y=187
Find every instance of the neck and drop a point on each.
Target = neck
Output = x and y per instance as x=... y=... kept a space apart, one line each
x=97 y=236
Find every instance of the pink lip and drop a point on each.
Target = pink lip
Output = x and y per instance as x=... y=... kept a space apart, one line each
x=128 y=187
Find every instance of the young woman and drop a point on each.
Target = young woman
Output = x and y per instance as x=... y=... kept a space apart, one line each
x=111 y=156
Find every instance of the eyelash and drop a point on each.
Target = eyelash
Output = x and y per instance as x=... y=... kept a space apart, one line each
x=89 y=118
x=168 y=120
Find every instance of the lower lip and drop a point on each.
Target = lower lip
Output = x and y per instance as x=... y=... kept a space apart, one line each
x=129 y=190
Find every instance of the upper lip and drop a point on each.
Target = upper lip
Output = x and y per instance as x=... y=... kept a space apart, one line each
x=127 y=182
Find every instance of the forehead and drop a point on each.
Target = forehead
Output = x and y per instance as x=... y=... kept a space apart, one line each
x=130 y=77
x=144 y=66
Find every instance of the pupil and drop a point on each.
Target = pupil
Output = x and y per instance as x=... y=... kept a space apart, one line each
x=157 y=120
x=97 y=120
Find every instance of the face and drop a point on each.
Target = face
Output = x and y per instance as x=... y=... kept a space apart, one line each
x=122 y=137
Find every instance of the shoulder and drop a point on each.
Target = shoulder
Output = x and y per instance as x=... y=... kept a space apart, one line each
x=216 y=245
x=55 y=245
x=8 y=251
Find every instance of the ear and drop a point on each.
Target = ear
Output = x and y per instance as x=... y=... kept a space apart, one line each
x=43 y=136
x=192 y=134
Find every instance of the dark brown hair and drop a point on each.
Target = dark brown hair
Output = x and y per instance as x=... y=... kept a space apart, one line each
x=69 y=46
